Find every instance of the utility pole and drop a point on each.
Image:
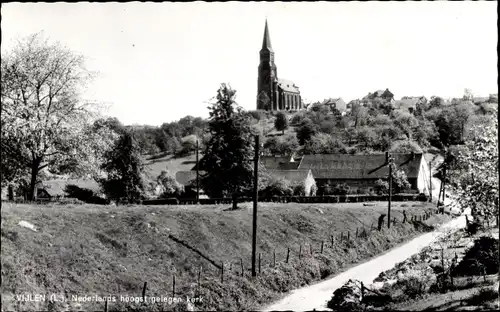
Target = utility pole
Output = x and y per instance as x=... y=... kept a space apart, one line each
x=444 y=187
x=391 y=161
x=255 y=199
x=197 y=174
x=430 y=181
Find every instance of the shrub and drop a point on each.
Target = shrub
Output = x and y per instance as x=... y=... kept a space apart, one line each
x=481 y=258
x=278 y=187
x=85 y=195
x=299 y=189
x=340 y=189
x=171 y=188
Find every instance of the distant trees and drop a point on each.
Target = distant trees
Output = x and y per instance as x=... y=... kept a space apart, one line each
x=284 y=145
x=170 y=186
x=45 y=124
x=229 y=151
x=305 y=131
x=281 y=122
x=322 y=143
x=124 y=182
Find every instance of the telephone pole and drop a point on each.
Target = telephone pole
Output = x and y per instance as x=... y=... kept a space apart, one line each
x=197 y=174
x=255 y=199
x=391 y=161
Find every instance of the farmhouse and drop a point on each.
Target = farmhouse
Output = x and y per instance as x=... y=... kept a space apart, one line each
x=361 y=172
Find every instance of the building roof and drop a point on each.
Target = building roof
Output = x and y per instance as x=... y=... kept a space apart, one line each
x=298 y=175
x=288 y=85
x=184 y=177
x=279 y=163
x=406 y=103
x=338 y=103
x=266 y=43
x=345 y=166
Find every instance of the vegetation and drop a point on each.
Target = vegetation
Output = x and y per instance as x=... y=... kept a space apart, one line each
x=45 y=124
x=124 y=169
x=228 y=154
x=281 y=122
x=123 y=244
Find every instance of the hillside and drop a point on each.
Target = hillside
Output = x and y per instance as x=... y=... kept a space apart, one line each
x=106 y=250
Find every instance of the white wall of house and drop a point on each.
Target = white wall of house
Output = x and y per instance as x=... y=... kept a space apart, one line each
x=423 y=177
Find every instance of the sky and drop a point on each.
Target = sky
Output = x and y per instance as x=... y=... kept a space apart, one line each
x=159 y=62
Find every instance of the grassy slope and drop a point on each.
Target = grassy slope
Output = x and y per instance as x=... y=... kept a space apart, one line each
x=87 y=250
x=156 y=166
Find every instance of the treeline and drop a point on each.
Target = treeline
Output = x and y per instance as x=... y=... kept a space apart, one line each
x=166 y=138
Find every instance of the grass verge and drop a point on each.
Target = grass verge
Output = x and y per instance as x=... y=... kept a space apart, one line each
x=105 y=251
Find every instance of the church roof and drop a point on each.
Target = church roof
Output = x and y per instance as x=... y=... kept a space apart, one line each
x=288 y=85
x=266 y=43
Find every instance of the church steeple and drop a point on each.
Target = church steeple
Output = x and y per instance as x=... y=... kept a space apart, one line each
x=266 y=44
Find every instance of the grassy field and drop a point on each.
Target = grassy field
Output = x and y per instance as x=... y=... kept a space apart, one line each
x=172 y=164
x=105 y=250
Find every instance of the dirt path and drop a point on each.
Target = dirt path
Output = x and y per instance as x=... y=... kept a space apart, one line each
x=316 y=296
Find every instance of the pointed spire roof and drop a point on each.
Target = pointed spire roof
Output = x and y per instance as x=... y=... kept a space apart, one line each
x=266 y=43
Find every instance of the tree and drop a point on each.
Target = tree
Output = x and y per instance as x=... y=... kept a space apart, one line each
x=44 y=122
x=358 y=112
x=170 y=186
x=281 y=122
x=436 y=101
x=405 y=147
x=305 y=131
x=124 y=170
x=228 y=154
x=475 y=184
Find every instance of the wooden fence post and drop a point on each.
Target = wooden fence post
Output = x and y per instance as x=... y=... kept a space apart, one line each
x=322 y=243
x=331 y=238
x=241 y=263
x=311 y=248
x=341 y=236
x=300 y=251
x=173 y=285
x=259 y=261
x=144 y=291
x=274 y=258
x=106 y=305
x=357 y=232
x=287 y=254
x=348 y=235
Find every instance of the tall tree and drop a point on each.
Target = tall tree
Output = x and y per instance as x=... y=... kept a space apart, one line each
x=476 y=180
x=124 y=170
x=281 y=122
x=228 y=154
x=44 y=121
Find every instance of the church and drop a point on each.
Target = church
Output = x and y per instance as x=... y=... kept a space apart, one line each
x=274 y=94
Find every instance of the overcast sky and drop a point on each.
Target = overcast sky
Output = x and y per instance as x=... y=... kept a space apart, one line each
x=159 y=62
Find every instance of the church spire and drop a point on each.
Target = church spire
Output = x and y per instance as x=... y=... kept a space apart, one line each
x=266 y=44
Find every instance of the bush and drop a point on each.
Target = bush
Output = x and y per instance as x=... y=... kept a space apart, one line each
x=341 y=189
x=299 y=189
x=171 y=188
x=481 y=258
x=277 y=187
x=85 y=195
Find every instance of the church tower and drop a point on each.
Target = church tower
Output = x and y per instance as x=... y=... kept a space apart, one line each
x=268 y=76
